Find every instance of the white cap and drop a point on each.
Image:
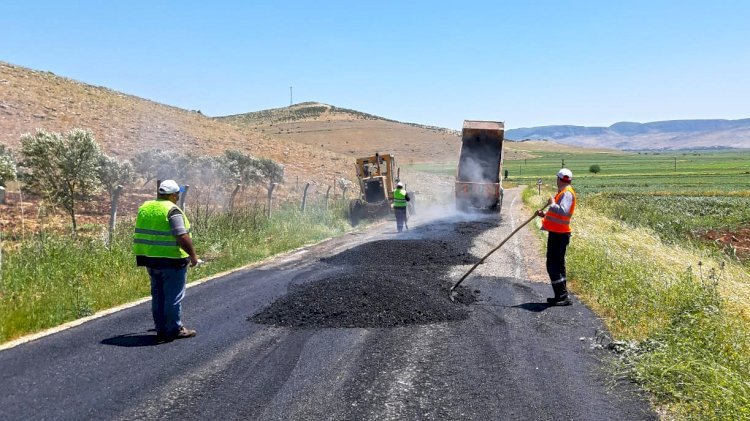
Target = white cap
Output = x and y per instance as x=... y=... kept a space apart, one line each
x=169 y=187
x=399 y=184
x=565 y=175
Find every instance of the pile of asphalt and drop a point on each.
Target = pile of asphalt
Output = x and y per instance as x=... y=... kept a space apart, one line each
x=383 y=284
x=403 y=252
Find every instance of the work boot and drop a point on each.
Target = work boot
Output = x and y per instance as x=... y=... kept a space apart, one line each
x=559 y=301
x=184 y=333
x=561 y=294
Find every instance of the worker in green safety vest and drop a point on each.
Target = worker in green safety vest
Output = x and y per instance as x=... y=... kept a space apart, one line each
x=400 y=199
x=163 y=244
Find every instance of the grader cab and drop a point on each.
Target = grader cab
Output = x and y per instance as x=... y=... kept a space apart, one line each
x=377 y=176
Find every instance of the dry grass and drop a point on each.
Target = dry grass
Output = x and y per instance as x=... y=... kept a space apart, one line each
x=625 y=243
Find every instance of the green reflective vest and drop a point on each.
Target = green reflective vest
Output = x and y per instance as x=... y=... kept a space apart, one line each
x=399 y=198
x=153 y=237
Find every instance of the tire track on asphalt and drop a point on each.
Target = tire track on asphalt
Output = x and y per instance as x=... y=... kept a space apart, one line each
x=402 y=386
x=170 y=399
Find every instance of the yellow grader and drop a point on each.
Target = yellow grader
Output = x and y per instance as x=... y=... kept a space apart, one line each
x=377 y=176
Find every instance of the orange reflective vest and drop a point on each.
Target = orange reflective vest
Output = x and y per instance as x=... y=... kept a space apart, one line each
x=555 y=221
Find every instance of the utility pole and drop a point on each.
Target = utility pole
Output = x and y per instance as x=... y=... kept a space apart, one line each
x=290 y=96
x=675 y=164
x=563 y=164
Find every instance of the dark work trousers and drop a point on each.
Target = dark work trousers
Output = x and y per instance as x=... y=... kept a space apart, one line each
x=400 y=218
x=557 y=244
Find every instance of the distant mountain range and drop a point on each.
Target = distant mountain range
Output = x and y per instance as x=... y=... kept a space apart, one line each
x=673 y=134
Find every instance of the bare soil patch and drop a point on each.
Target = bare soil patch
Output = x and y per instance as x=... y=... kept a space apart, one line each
x=737 y=240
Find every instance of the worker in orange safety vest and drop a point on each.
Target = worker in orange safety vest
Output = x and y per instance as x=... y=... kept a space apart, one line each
x=556 y=221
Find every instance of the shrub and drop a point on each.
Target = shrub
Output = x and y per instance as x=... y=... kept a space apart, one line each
x=7 y=166
x=62 y=168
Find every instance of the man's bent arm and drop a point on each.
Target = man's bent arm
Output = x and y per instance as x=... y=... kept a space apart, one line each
x=186 y=243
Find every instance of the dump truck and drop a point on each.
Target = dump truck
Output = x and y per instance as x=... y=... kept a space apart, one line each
x=478 y=176
x=377 y=176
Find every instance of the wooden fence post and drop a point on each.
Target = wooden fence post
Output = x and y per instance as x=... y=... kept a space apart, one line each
x=182 y=197
x=158 y=183
x=327 y=191
x=2 y=195
x=304 y=197
x=231 y=199
x=271 y=187
x=113 y=215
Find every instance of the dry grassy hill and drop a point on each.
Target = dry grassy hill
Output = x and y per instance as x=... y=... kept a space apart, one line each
x=124 y=124
x=355 y=133
x=351 y=132
x=313 y=140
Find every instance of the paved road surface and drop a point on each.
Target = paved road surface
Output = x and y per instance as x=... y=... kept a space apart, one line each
x=512 y=358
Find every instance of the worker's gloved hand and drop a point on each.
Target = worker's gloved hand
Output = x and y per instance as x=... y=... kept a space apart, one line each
x=194 y=261
x=550 y=201
x=540 y=213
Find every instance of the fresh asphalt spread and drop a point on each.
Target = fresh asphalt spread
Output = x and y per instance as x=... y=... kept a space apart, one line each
x=383 y=283
x=359 y=327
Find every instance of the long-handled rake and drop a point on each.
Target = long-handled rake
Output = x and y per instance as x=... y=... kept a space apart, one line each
x=452 y=292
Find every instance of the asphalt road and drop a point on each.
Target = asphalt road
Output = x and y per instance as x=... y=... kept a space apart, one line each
x=510 y=357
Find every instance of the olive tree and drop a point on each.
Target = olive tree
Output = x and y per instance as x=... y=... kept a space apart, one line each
x=7 y=166
x=270 y=173
x=155 y=164
x=595 y=169
x=113 y=173
x=241 y=167
x=344 y=184
x=61 y=168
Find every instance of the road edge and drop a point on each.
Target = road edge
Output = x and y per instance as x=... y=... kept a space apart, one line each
x=77 y=322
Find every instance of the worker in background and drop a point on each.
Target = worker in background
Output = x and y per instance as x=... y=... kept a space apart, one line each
x=556 y=221
x=400 y=199
x=163 y=244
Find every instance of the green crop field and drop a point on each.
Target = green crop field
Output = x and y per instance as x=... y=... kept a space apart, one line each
x=698 y=171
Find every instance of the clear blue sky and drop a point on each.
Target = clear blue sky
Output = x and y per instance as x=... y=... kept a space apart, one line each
x=526 y=63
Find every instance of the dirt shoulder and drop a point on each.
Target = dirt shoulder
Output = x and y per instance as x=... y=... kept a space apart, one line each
x=531 y=243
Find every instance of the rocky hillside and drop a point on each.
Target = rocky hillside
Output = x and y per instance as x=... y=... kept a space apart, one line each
x=125 y=124
x=675 y=134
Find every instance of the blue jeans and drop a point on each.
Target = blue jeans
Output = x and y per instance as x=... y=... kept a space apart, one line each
x=167 y=292
x=400 y=218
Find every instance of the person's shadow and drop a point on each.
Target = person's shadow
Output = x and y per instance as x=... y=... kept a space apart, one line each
x=533 y=307
x=136 y=339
